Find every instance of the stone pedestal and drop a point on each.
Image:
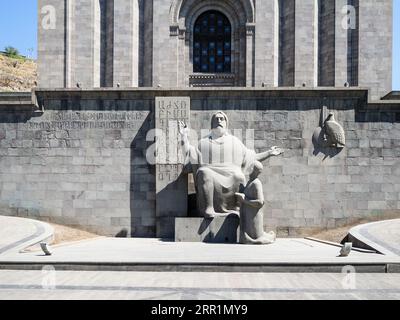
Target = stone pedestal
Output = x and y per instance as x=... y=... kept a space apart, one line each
x=216 y=230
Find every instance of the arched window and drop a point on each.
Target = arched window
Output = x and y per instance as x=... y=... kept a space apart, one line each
x=212 y=43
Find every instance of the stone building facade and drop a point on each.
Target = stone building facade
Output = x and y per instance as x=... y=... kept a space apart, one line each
x=75 y=152
x=272 y=43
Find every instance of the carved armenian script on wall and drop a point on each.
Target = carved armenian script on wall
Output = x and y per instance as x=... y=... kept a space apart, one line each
x=171 y=184
x=131 y=120
x=169 y=111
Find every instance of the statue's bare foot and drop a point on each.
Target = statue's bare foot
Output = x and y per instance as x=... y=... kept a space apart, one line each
x=210 y=213
x=266 y=238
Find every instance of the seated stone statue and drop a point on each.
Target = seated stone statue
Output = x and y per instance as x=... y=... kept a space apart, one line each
x=220 y=164
x=251 y=213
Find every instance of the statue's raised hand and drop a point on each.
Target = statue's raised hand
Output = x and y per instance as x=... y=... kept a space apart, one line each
x=240 y=197
x=275 y=151
x=183 y=129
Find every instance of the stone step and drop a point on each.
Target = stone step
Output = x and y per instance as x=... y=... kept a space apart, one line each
x=207 y=267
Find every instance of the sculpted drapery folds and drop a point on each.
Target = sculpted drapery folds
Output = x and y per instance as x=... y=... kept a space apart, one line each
x=251 y=210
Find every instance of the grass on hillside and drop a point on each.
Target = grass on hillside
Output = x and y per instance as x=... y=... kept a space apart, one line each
x=17 y=74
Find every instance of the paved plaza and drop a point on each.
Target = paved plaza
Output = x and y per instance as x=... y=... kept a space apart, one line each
x=141 y=254
x=71 y=285
x=295 y=255
x=154 y=269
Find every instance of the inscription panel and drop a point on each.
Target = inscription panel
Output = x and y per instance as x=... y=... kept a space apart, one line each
x=171 y=183
x=129 y=120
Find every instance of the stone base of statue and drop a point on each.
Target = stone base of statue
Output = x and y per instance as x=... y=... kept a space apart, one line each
x=220 y=229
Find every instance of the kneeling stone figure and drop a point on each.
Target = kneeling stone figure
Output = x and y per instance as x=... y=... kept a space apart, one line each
x=251 y=213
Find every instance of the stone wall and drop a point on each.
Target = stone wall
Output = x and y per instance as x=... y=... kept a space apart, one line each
x=82 y=162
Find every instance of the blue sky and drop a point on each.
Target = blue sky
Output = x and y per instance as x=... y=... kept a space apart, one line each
x=18 y=24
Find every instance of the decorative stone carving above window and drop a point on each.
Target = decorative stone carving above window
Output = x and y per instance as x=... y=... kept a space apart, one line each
x=236 y=61
x=247 y=6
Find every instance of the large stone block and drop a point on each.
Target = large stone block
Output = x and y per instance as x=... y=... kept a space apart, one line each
x=216 y=230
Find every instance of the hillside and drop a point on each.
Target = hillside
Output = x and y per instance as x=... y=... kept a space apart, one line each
x=17 y=74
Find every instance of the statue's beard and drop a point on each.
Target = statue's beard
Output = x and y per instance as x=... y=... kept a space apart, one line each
x=219 y=131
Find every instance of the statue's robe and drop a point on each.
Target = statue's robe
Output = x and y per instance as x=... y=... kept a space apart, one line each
x=227 y=161
x=252 y=217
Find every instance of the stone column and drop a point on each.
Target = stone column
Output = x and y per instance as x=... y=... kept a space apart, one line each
x=375 y=46
x=107 y=44
x=250 y=51
x=341 y=43
x=306 y=40
x=51 y=43
x=165 y=47
x=171 y=183
x=267 y=43
x=326 y=42
x=148 y=43
x=183 y=54
x=69 y=28
x=287 y=43
x=126 y=43
x=85 y=49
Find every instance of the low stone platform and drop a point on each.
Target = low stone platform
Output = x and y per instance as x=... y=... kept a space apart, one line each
x=116 y=254
x=16 y=234
x=211 y=230
x=381 y=236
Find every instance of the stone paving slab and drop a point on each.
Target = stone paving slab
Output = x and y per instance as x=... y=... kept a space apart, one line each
x=147 y=254
x=83 y=285
x=18 y=233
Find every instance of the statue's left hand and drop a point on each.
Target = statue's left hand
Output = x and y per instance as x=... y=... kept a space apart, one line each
x=275 y=151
